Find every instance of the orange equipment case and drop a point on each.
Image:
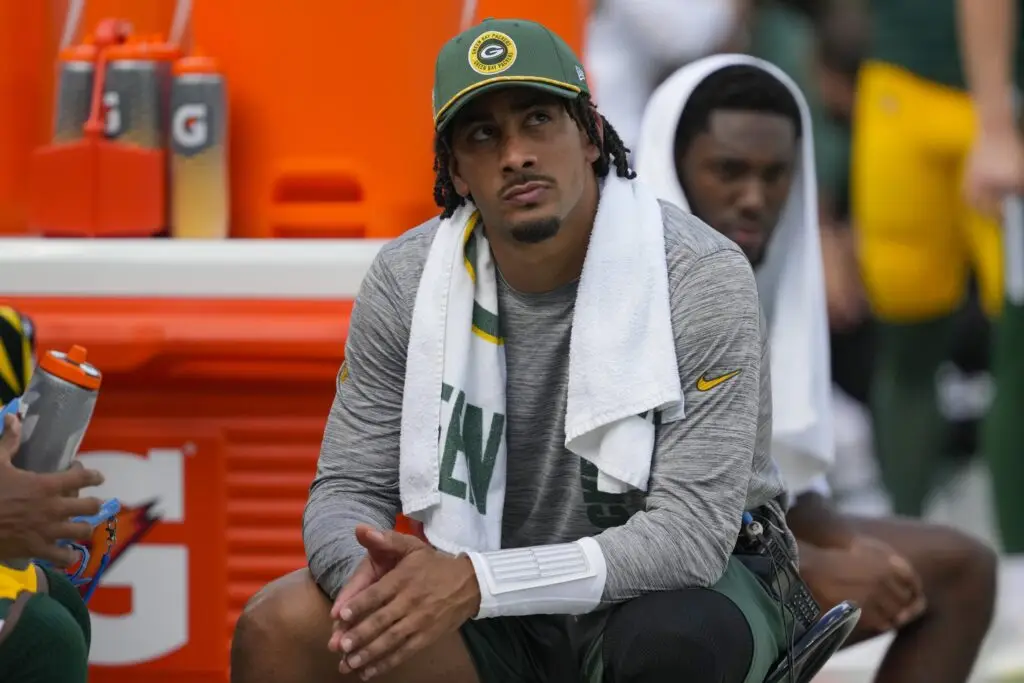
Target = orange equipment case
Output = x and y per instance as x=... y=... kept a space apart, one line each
x=219 y=362
x=329 y=115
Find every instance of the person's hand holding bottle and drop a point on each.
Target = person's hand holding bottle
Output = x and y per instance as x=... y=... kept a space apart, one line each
x=36 y=509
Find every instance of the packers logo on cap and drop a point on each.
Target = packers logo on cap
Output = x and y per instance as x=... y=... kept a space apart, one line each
x=491 y=53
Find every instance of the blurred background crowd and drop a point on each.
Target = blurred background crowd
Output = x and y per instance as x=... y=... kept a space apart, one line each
x=912 y=337
x=822 y=44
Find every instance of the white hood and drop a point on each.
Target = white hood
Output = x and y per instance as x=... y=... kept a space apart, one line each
x=790 y=280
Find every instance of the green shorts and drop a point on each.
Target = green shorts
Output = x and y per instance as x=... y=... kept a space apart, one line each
x=549 y=649
x=44 y=636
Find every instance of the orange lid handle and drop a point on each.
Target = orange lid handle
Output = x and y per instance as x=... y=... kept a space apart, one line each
x=95 y=124
x=112 y=31
x=72 y=367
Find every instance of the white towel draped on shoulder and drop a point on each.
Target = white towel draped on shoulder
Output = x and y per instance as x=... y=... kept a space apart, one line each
x=622 y=369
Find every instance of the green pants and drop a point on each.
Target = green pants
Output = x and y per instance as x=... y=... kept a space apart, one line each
x=550 y=649
x=44 y=636
x=911 y=434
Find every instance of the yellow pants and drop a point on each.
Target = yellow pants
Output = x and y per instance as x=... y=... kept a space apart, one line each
x=918 y=239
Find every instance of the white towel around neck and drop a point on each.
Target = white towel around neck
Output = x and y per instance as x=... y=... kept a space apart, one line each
x=790 y=281
x=622 y=368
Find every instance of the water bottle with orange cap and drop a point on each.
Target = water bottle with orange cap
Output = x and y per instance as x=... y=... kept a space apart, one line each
x=56 y=409
x=199 y=150
x=74 y=91
x=135 y=92
x=76 y=73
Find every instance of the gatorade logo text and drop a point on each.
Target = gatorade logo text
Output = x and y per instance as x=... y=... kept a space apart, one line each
x=112 y=114
x=492 y=53
x=152 y=490
x=190 y=126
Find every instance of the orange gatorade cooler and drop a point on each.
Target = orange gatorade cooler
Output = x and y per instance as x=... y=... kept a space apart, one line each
x=219 y=361
x=199 y=150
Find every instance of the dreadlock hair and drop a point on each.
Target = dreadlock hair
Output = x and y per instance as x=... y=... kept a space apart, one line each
x=740 y=87
x=582 y=110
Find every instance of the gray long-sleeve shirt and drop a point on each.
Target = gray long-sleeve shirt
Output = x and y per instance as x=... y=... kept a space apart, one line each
x=707 y=468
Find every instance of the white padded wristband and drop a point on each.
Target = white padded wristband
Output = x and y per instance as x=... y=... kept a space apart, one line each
x=567 y=578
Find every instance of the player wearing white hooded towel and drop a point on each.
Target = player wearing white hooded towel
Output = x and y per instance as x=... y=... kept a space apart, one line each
x=729 y=138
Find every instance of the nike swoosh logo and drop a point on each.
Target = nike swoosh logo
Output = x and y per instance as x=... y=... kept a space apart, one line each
x=705 y=384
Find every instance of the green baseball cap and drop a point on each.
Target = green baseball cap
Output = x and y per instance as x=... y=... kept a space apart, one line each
x=501 y=52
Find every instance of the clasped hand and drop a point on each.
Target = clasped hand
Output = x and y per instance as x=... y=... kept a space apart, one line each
x=403 y=597
x=874 y=575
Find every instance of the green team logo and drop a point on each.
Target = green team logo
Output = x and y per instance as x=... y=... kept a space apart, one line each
x=479 y=442
x=491 y=53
